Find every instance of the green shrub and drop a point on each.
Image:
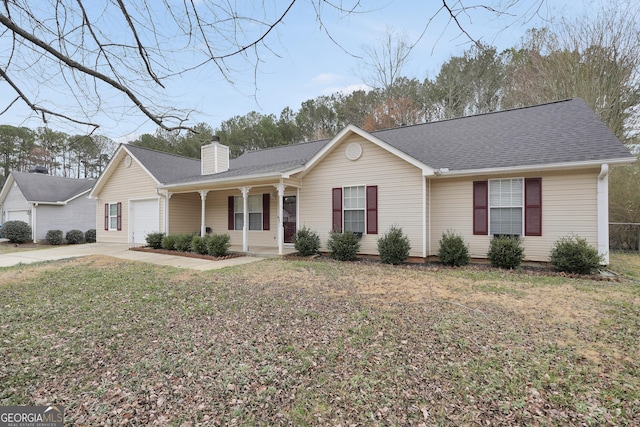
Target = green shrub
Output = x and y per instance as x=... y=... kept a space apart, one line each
x=74 y=237
x=154 y=240
x=54 y=237
x=199 y=245
x=453 y=251
x=506 y=252
x=394 y=246
x=218 y=244
x=90 y=236
x=16 y=231
x=169 y=242
x=573 y=254
x=306 y=242
x=343 y=246
x=183 y=242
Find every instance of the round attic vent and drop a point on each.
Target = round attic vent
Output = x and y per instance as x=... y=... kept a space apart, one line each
x=354 y=151
x=127 y=161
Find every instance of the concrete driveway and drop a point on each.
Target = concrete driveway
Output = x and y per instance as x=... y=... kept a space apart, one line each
x=117 y=251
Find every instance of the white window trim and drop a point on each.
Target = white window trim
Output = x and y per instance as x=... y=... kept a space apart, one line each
x=111 y=228
x=364 y=209
x=521 y=234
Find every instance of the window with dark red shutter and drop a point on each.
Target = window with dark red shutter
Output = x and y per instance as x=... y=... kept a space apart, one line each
x=106 y=216
x=336 y=222
x=480 y=207
x=372 y=209
x=119 y=220
x=266 y=198
x=231 y=224
x=533 y=207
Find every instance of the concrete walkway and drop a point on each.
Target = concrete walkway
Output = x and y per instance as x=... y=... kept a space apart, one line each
x=117 y=251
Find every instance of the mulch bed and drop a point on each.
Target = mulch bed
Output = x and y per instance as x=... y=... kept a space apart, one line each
x=185 y=254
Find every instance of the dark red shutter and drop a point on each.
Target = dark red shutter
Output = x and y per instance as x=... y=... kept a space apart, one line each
x=481 y=207
x=119 y=220
x=231 y=223
x=106 y=216
x=372 y=209
x=533 y=207
x=265 y=211
x=337 y=210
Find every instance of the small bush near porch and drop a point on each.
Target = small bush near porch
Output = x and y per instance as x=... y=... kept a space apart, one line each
x=297 y=342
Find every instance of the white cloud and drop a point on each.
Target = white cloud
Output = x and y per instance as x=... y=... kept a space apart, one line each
x=346 y=89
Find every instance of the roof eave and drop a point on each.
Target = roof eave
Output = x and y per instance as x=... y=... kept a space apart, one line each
x=241 y=180
x=533 y=168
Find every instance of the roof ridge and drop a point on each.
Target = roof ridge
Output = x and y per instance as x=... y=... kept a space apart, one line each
x=52 y=176
x=285 y=145
x=477 y=115
x=158 y=151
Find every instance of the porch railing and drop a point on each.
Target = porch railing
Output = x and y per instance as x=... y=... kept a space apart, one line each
x=624 y=236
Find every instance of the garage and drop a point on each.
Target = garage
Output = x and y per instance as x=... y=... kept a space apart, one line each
x=21 y=215
x=144 y=218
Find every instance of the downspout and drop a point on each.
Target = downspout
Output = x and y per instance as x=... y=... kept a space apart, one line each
x=34 y=223
x=429 y=217
x=603 y=213
x=424 y=217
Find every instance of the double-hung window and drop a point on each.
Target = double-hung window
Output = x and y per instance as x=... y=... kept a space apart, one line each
x=506 y=198
x=508 y=206
x=255 y=212
x=113 y=216
x=354 y=208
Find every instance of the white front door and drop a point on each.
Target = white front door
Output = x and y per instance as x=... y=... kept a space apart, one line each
x=144 y=218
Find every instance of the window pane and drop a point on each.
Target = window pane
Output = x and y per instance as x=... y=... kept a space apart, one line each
x=113 y=223
x=113 y=209
x=238 y=205
x=505 y=192
x=354 y=221
x=238 y=221
x=506 y=221
x=255 y=203
x=255 y=221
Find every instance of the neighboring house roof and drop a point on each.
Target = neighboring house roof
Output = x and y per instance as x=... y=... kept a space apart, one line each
x=43 y=188
x=559 y=134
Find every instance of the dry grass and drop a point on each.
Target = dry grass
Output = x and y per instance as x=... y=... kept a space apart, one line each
x=297 y=342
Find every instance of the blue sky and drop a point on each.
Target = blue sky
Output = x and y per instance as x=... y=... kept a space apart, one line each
x=304 y=63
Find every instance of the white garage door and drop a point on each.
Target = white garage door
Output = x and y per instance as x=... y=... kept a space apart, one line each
x=18 y=216
x=144 y=219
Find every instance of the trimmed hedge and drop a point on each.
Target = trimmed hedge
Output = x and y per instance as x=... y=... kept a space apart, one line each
x=154 y=240
x=306 y=242
x=218 y=244
x=169 y=242
x=453 y=251
x=394 y=246
x=74 y=237
x=343 y=246
x=16 y=231
x=506 y=252
x=54 y=237
x=572 y=254
x=90 y=235
x=199 y=245
x=182 y=242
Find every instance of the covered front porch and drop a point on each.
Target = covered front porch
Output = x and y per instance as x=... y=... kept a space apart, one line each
x=260 y=217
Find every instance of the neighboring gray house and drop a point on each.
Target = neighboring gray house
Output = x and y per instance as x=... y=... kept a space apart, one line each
x=48 y=202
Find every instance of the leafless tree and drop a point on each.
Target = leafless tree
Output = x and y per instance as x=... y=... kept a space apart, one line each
x=126 y=52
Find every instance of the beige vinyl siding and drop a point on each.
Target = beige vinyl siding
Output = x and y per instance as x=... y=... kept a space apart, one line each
x=400 y=192
x=125 y=184
x=208 y=159
x=569 y=206
x=184 y=213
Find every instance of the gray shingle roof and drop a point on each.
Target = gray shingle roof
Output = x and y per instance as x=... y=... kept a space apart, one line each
x=165 y=167
x=558 y=132
x=37 y=187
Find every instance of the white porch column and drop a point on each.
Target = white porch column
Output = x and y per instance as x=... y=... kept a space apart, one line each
x=34 y=222
x=245 y=218
x=280 y=188
x=203 y=199
x=167 y=196
x=603 y=213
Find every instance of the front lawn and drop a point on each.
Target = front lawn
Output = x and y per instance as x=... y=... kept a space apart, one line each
x=296 y=342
